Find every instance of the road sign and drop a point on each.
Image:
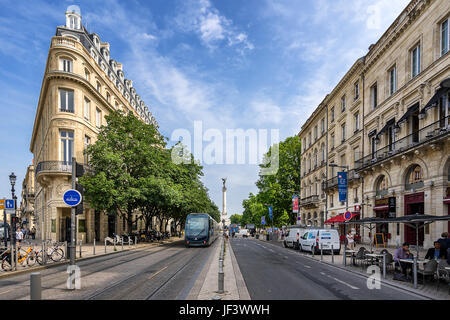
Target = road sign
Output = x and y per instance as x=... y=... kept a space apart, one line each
x=72 y=197
x=270 y=213
x=342 y=186
x=263 y=220
x=347 y=215
x=8 y=204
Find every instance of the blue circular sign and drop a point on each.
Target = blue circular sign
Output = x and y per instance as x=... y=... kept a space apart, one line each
x=72 y=197
x=348 y=215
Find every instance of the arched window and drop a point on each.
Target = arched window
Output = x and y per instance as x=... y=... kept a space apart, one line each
x=381 y=187
x=66 y=64
x=414 y=178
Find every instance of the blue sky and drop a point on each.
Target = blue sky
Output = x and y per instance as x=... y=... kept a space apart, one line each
x=253 y=64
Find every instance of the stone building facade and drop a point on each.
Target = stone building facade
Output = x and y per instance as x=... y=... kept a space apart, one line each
x=26 y=211
x=399 y=156
x=314 y=158
x=81 y=85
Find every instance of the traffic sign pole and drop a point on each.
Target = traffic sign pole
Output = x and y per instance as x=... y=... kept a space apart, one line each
x=73 y=216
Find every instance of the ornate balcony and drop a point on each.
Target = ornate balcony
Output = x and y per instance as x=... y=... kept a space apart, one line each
x=311 y=201
x=333 y=182
x=435 y=132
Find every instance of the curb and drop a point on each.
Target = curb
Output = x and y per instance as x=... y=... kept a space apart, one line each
x=240 y=282
x=61 y=263
x=385 y=282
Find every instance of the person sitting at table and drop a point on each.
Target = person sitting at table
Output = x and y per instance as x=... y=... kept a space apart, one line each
x=403 y=253
x=438 y=252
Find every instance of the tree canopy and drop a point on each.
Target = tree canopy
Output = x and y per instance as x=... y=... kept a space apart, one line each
x=132 y=172
x=276 y=190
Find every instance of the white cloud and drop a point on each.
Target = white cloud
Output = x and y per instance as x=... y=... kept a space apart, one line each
x=213 y=28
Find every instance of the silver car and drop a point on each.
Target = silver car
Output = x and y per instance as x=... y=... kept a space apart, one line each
x=2 y=230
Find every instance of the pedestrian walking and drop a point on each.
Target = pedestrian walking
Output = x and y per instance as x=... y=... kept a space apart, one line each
x=350 y=241
x=33 y=233
x=19 y=235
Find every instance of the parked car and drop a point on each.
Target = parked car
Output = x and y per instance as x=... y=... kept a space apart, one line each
x=2 y=231
x=292 y=238
x=313 y=239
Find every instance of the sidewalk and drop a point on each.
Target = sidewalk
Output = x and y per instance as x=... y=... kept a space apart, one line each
x=87 y=252
x=428 y=289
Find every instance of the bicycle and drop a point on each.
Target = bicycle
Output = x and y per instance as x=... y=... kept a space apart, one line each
x=29 y=256
x=53 y=253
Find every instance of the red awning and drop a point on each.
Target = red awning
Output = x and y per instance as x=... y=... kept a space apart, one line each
x=340 y=218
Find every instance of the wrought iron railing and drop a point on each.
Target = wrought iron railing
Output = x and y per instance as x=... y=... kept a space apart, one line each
x=333 y=182
x=431 y=132
x=58 y=166
x=310 y=200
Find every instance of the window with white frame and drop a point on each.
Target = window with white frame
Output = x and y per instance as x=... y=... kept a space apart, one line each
x=356 y=118
x=87 y=109
x=99 y=87
x=415 y=61
x=374 y=96
x=445 y=37
x=98 y=118
x=87 y=75
x=66 y=140
x=343 y=132
x=392 y=80
x=343 y=103
x=65 y=65
x=66 y=100
x=356 y=86
x=87 y=142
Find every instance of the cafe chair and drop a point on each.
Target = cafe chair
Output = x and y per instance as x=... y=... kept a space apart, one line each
x=429 y=269
x=442 y=273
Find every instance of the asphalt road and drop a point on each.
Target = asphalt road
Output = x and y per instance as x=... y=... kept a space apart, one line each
x=167 y=272
x=273 y=272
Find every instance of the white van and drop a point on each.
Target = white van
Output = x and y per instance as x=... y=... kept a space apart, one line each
x=244 y=233
x=292 y=238
x=312 y=239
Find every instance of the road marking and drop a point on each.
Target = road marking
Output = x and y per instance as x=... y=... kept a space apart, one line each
x=153 y=275
x=340 y=281
x=307 y=267
x=323 y=273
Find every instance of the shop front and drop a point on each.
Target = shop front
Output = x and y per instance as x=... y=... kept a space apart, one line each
x=414 y=204
x=447 y=202
x=381 y=210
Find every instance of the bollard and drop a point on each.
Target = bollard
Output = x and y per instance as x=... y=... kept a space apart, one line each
x=105 y=245
x=221 y=277
x=44 y=253
x=384 y=265
x=121 y=240
x=35 y=286
x=94 y=248
x=81 y=242
x=415 y=272
x=66 y=251
x=114 y=243
x=135 y=241
x=129 y=239
x=345 y=255
x=332 y=254
x=321 y=252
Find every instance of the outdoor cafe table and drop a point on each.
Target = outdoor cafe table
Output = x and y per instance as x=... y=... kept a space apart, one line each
x=414 y=262
x=351 y=253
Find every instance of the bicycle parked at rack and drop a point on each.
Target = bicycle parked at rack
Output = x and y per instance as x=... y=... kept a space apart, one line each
x=29 y=256
x=53 y=252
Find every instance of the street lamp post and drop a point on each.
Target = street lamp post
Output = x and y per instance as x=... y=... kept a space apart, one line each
x=346 y=209
x=12 y=180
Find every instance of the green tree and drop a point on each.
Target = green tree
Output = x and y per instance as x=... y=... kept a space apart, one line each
x=276 y=190
x=236 y=218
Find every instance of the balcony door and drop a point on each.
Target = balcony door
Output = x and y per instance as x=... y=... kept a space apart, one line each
x=444 y=112
x=415 y=128
x=66 y=147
